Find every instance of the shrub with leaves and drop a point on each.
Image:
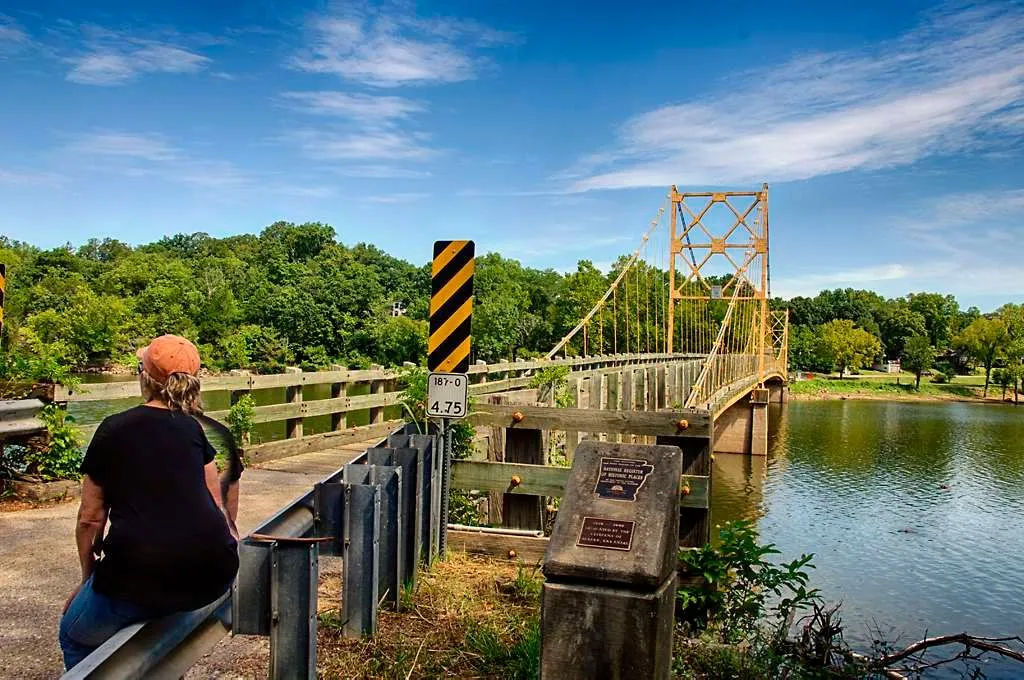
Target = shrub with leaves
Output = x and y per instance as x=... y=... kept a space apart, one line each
x=62 y=456
x=743 y=591
x=240 y=418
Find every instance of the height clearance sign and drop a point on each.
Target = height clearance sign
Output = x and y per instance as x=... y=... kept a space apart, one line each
x=451 y=312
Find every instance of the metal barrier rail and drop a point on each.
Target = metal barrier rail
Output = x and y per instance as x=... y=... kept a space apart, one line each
x=381 y=513
x=20 y=417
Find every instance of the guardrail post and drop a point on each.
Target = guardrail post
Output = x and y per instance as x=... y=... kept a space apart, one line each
x=361 y=562
x=293 y=584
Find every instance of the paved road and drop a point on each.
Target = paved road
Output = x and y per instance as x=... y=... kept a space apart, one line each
x=39 y=565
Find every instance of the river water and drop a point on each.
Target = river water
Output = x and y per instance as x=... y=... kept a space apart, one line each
x=914 y=511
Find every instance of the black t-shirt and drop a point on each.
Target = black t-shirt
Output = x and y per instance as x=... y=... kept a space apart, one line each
x=168 y=546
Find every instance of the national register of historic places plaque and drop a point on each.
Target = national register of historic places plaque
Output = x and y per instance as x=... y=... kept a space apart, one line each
x=620 y=478
x=609 y=534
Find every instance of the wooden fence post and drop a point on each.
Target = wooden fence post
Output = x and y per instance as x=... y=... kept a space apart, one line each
x=293 y=395
x=495 y=454
x=377 y=387
x=521 y=511
x=572 y=437
x=339 y=421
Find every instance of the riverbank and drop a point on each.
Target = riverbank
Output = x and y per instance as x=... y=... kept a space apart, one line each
x=890 y=390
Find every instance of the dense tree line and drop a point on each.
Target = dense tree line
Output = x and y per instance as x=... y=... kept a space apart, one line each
x=291 y=295
x=849 y=329
x=294 y=294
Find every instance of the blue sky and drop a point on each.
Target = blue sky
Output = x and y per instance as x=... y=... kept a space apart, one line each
x=890 y=133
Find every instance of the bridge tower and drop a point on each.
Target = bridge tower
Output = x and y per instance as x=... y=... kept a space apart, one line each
x=717 y=262
x=719 y=286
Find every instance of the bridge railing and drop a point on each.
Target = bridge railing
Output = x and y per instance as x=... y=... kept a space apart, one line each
x=356 y=405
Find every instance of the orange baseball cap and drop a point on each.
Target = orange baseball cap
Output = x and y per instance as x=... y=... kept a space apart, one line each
x=169 y=354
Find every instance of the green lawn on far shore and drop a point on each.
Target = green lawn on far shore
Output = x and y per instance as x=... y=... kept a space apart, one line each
x=882 y=385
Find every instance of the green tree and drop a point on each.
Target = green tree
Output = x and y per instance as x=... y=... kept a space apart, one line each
x=940 y=313
x=399 y=339
x=918 y=357
x=983 y=340
x=847 y=346
x=899 y=324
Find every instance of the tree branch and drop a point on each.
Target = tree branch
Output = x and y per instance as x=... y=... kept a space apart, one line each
x=968 y=641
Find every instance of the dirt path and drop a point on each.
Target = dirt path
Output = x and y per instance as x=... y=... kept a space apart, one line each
x=39 y=565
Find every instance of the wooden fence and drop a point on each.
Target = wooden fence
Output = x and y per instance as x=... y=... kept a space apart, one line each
x=519 y=482
x=381 y=385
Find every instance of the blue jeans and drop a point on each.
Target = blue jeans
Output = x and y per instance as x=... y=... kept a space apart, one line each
x=91 y=619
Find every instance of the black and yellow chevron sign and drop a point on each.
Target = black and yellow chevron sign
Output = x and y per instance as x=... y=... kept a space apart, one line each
x=3 y=289
x=451 y=307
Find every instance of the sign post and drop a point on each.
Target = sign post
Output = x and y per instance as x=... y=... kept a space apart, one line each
x=451 y=312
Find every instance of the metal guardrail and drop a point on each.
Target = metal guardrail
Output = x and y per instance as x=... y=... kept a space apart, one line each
x=381 y=513
x=19 y=418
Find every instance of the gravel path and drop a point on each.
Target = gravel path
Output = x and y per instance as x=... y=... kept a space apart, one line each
x=39 y=567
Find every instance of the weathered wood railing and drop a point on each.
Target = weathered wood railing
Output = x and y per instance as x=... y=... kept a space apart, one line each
x=381 y=387
x=519 y=488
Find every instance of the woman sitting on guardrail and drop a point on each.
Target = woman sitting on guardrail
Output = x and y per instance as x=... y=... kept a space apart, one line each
x=150 y=471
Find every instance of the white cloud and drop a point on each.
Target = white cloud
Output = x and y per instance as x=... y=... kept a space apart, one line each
x=27 y=178
x=13 y=38
x=361 y=107
x=113 y=58
x=941 y=88
x=369 y=145
x=125 y=144
x=406 y=197
x=303 y=191
x=967 y=243
x=382 y=172
x=386 y=50
x=860 y=277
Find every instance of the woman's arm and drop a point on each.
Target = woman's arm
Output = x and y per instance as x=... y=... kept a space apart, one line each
x=92 y=518
x=213 y=486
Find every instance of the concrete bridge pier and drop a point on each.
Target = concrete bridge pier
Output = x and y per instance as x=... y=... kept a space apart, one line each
x=743 y=427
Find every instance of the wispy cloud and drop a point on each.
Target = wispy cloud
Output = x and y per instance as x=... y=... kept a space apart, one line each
x=406 y=197
x=859 y=277
x=949 y=85
x=147 y=147
x=966 y=242
x=386 y=49
x=138 y=155
x=360 y=107
x=13 y=38
x=371 y=145
x=27 y=178
x=382 y=172
x=112 y=58
x=299 y=191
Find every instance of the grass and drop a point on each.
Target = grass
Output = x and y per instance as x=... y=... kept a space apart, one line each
x=966 y=387
x=468 y=617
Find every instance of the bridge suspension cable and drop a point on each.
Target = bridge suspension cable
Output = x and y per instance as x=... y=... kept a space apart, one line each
x=612 y=293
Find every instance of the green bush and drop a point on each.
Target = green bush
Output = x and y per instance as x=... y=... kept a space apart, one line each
x=62 y=457
x=240 y=418
x=735 y=599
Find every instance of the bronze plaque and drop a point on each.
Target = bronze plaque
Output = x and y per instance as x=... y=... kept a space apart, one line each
x=620 y=478
x=609 y=534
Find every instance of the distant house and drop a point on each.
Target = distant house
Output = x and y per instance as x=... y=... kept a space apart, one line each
x=890 y=366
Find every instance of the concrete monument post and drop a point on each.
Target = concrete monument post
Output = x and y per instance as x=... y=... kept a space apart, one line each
x=607 y=605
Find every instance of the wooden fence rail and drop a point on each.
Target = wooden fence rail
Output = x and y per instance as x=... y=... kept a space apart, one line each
x=381 y=384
